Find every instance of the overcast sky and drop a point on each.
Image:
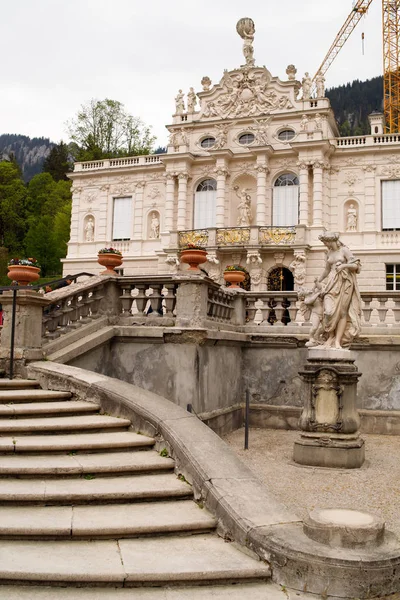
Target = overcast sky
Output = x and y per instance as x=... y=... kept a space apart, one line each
x=58 y=54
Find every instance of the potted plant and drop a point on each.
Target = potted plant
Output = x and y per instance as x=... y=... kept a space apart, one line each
x=234 y=274
x=109 y=258
x=23 y=270
x=193 y=255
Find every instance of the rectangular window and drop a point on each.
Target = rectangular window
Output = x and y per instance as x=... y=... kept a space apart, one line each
x=390 y=192
x=393 y=278
x=122 y=219
x=285 y=208
x=204 y=209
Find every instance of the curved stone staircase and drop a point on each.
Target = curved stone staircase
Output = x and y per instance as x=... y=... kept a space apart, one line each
x=88 y=508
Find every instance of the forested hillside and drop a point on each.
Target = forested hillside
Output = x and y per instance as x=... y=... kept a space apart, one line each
x=29 y=153
x=353 y=102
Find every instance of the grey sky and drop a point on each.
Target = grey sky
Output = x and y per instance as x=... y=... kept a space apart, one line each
x=57 y=54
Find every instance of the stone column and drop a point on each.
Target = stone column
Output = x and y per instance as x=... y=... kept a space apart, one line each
x=138 y=233
x=222 y=174
x=317 y=194
x=370 y=223
x=169 y=202
x=261 y=212
x=182 y=193
x=303 y=208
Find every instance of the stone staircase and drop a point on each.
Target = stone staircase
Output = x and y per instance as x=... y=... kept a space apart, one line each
x=88 y=508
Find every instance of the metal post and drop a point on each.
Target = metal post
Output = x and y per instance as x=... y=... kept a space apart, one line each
x=14 y=307
x=246 y=421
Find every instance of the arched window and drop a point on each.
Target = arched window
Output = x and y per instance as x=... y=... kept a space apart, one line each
x=204 y=204
x=285 y=205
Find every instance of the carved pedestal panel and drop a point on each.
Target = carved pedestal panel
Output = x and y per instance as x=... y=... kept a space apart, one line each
x=330 y=420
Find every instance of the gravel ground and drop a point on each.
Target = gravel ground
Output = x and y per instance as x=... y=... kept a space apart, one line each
x=374 y=488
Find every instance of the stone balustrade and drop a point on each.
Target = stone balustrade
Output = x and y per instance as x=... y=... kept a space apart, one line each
x=220 y=305
x=271 y=308
x=118 y=163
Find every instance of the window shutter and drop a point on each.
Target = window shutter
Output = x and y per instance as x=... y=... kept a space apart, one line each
x=204 y=209
x=122 y=219
x=391 y=204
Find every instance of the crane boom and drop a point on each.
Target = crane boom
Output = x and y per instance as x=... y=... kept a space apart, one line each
x=391 y=64
x=359 y=9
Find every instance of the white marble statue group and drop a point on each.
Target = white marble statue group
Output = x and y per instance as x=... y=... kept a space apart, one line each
x=334 y=304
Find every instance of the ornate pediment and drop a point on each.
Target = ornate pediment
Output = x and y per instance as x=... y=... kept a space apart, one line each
x=247 y=92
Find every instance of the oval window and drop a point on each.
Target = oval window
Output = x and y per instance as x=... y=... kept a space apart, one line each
x=246 y=139
x=207 y=142
x=286 y=135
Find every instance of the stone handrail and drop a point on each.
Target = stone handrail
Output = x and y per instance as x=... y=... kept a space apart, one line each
x=115 y=163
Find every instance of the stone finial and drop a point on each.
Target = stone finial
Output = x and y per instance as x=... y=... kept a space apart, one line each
x=206 y=83
x=291 y=72
x=246 y=29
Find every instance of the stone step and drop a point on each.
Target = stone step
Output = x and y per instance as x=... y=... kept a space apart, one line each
x=131 y=562
x=88 y=442
x=239 y=591
x=66 y=423
x=77 y=464
x=91 y=489
x=8 y=396
x=106 y=521
x=34 y=409
x=17 y=384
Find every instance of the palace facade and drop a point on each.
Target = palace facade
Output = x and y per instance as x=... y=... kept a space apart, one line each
x=255 y=171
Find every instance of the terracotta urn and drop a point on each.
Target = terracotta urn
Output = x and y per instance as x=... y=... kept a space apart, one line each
x=110 y=261
x=193 y=257
x=23 y=274
x=234 y=277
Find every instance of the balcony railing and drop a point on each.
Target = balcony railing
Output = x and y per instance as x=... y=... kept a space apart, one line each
x=238 y=236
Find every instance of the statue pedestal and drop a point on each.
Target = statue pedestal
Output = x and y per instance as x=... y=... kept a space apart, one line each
x=330 y=420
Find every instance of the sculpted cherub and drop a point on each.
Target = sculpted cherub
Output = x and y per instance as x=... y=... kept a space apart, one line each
x=312 y=308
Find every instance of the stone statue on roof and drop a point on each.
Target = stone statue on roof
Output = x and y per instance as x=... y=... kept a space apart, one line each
x=246 y=29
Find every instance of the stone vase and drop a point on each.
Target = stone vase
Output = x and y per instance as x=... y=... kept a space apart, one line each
x=23 y=274
x=110 y=261
x=234 y=277
x=193 y=257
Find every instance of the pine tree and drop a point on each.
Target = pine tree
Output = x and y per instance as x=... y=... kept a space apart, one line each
x=58 y=162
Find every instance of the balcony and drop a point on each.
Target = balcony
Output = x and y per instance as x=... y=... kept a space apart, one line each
x=231 y=237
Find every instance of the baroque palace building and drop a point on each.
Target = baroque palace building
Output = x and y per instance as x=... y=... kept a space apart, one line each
x=255 y=171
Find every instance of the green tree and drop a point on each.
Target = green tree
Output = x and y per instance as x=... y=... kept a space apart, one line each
x=58 y=162
x=40 y=243
x=12 y=212
x=103 y=129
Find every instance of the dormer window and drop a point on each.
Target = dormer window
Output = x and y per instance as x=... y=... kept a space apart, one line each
x=286 y=135
x=246 y=139
x=207 y=142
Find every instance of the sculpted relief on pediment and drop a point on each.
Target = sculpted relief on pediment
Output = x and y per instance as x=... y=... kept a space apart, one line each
x=245 y=93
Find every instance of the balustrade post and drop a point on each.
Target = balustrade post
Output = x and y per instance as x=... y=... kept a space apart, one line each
x=28 y=328
x=192 y=302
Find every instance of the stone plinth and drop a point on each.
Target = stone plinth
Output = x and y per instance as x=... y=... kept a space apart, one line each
x=344 y=528
x=330 y=420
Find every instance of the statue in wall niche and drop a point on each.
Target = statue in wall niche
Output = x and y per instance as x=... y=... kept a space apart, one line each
x=320 y=82
x=89 y=230
x=246 y=29
x=191 y=101
x=179 y=103
x=341 y=297
x=306 y=84
x=154 y=226
x=351 y=218
x=244 y=208
x=312 y=309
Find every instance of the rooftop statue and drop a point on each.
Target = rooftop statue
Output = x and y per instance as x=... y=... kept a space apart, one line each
x=246 y=29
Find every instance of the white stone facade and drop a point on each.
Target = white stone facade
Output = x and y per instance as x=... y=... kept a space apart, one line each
x=249 y=136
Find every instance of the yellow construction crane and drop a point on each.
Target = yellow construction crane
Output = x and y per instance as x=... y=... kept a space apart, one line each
x=391 y=55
